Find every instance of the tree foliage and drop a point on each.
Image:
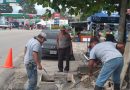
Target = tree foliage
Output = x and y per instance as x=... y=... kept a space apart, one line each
x=5 y=8
x=47 y=14
x=86 y=7
x=89 y=7
x=27 y=7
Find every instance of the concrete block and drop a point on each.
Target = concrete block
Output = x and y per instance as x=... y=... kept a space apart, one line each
x=47 y=86
x=83 y=69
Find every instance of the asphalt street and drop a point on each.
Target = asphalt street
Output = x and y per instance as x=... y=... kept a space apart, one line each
x=15 y=39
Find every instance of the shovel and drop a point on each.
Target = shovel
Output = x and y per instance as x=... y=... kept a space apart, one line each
x=46 y=77
x=45 y=71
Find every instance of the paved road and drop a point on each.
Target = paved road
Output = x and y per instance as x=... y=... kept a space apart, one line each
x=15 y=39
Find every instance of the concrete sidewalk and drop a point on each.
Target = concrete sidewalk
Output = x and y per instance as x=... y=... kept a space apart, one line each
x=7 y=73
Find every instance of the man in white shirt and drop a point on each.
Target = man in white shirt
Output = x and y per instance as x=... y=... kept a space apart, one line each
x=32 y=59
x=112 y=61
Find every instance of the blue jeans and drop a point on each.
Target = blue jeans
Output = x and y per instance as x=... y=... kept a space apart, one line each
x=31 y=69
x=111 y=68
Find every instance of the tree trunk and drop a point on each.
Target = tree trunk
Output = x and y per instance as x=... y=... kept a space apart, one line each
x=122 y=20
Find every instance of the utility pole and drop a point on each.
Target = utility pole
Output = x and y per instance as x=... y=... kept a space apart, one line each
x=128 y=31
x=122 y=20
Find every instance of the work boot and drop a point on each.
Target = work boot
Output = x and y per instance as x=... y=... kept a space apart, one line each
x=116 y=86
x=98 y=88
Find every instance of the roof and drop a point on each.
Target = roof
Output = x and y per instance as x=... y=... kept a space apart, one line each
x=18 y=15
x=78 y=24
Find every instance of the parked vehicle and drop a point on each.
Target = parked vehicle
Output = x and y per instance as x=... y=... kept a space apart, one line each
x=6 y=25
x=15 y=24
x=49 y=48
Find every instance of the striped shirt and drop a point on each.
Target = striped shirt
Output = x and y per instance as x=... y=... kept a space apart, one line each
x=32 y=45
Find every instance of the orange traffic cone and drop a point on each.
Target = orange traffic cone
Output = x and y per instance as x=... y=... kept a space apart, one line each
x=8 y=63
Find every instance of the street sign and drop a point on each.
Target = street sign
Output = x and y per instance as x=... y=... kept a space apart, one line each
x=13 y=4
x=56 y=21
x=9 y=1
x=97 y=19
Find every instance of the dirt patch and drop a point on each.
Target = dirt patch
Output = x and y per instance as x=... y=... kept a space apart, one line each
x=18 y=80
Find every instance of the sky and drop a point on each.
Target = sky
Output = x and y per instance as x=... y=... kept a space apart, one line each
x=40 y=10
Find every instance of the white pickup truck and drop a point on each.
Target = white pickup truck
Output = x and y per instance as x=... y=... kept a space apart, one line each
x=5 y=26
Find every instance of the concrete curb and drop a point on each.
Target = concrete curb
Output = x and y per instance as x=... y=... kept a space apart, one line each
x=6 y=75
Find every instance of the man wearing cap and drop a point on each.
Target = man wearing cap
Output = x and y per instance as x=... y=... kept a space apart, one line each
x=64 y=46
x=32 y=59
x=111 y=59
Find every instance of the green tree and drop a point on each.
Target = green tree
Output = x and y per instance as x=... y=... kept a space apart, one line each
x=87 y=7
x=5 y=8
x=47 y=14
x=28 y=7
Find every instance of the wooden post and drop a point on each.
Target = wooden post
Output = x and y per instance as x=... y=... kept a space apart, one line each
x=126 y=60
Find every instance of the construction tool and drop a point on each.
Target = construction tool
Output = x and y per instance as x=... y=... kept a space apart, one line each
x=70 y=78
x=86 y=58
x=46 y=71
x=83 y=78
x=46 y=77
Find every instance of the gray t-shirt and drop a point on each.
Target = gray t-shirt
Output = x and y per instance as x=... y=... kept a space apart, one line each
x=105 y=51
x=32 y=45
x=64 y=41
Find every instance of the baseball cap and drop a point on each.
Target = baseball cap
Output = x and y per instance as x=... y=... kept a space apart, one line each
x=43 y=35
x=110 y=37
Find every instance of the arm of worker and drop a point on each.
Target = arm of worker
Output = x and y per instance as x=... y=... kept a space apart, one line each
x=91 y=65
x=92 y=61
x=36 y=59
x=71 y=48
x=57 y=41
x=25 y=50
x=35 y=54
x=120 y=47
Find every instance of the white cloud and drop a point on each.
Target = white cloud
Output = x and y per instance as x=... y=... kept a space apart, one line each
x=40 y=10
x=16 y=8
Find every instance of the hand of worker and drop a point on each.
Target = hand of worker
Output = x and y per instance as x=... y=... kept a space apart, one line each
x=95 y=64
x=90 y=74
x=39 y=67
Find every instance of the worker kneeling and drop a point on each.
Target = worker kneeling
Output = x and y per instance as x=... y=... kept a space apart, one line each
x=111 y=59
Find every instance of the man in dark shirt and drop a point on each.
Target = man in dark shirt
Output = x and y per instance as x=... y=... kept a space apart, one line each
x=64 y=46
